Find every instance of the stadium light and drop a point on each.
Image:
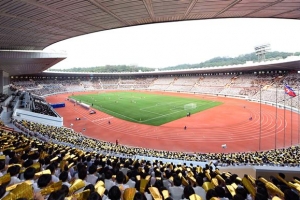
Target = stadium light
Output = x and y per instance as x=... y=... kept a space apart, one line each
x=261 y=51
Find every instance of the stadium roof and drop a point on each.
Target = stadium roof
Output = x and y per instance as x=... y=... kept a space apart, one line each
x=35 y=24
x=22 y=62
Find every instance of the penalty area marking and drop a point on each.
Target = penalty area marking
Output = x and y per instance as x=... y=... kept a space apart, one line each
x=203 y=104
x=145 y=109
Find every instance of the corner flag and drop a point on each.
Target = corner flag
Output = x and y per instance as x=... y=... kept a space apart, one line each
x=289 y=91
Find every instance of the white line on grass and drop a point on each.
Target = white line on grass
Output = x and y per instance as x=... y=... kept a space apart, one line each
x=161 y=116
x=151 y=112
x=172 y=113
x=159 y=104
x=121 y=114
x=164 y=114
x=100 y=108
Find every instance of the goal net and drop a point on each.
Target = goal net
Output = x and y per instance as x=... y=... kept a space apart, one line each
x=190 y=106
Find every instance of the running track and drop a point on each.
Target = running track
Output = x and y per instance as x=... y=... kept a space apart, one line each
x=206 y=131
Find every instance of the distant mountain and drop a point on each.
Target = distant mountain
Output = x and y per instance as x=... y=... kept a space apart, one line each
x=222 y=61
x=107 y=68
x=217 y=61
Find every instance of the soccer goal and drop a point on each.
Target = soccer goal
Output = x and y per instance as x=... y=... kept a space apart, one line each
x=190 y=106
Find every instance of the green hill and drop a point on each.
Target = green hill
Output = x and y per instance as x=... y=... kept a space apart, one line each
x=217 y=61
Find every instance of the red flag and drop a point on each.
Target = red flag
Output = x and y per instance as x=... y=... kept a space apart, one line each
x=289 y=91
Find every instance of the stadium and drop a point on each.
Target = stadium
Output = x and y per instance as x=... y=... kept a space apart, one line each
x=228 y=132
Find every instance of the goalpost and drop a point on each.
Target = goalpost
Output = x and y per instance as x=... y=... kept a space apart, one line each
x=190 y=106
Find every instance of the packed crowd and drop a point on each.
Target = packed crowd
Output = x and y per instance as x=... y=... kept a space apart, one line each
x=22 y=85
x=35 y=169
x=42 y=107
x=66 y=136
x=44 y=87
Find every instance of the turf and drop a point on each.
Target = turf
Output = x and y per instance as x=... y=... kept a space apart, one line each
x=151 y=109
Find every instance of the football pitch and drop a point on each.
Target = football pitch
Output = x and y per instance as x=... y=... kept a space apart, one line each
x=151 y=109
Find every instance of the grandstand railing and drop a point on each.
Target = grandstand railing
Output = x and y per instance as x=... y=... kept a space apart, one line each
x=20 y=114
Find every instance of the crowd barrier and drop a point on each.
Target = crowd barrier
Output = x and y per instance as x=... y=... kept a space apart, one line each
x=84 y=105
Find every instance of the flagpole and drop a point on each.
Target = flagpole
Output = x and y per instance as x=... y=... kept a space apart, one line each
x=260 y=119
x=291 y=121
x=276 y=119
x=284 y=121
x=298 y=111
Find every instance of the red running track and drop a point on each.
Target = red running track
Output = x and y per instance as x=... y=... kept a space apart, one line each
x=206 y=131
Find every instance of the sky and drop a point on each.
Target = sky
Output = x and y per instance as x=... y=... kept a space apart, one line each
x=169 y=44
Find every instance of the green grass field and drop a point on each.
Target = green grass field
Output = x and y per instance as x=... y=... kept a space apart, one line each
x=152 y=109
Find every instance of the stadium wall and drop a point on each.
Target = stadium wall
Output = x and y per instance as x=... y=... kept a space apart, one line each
x=279 y=105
